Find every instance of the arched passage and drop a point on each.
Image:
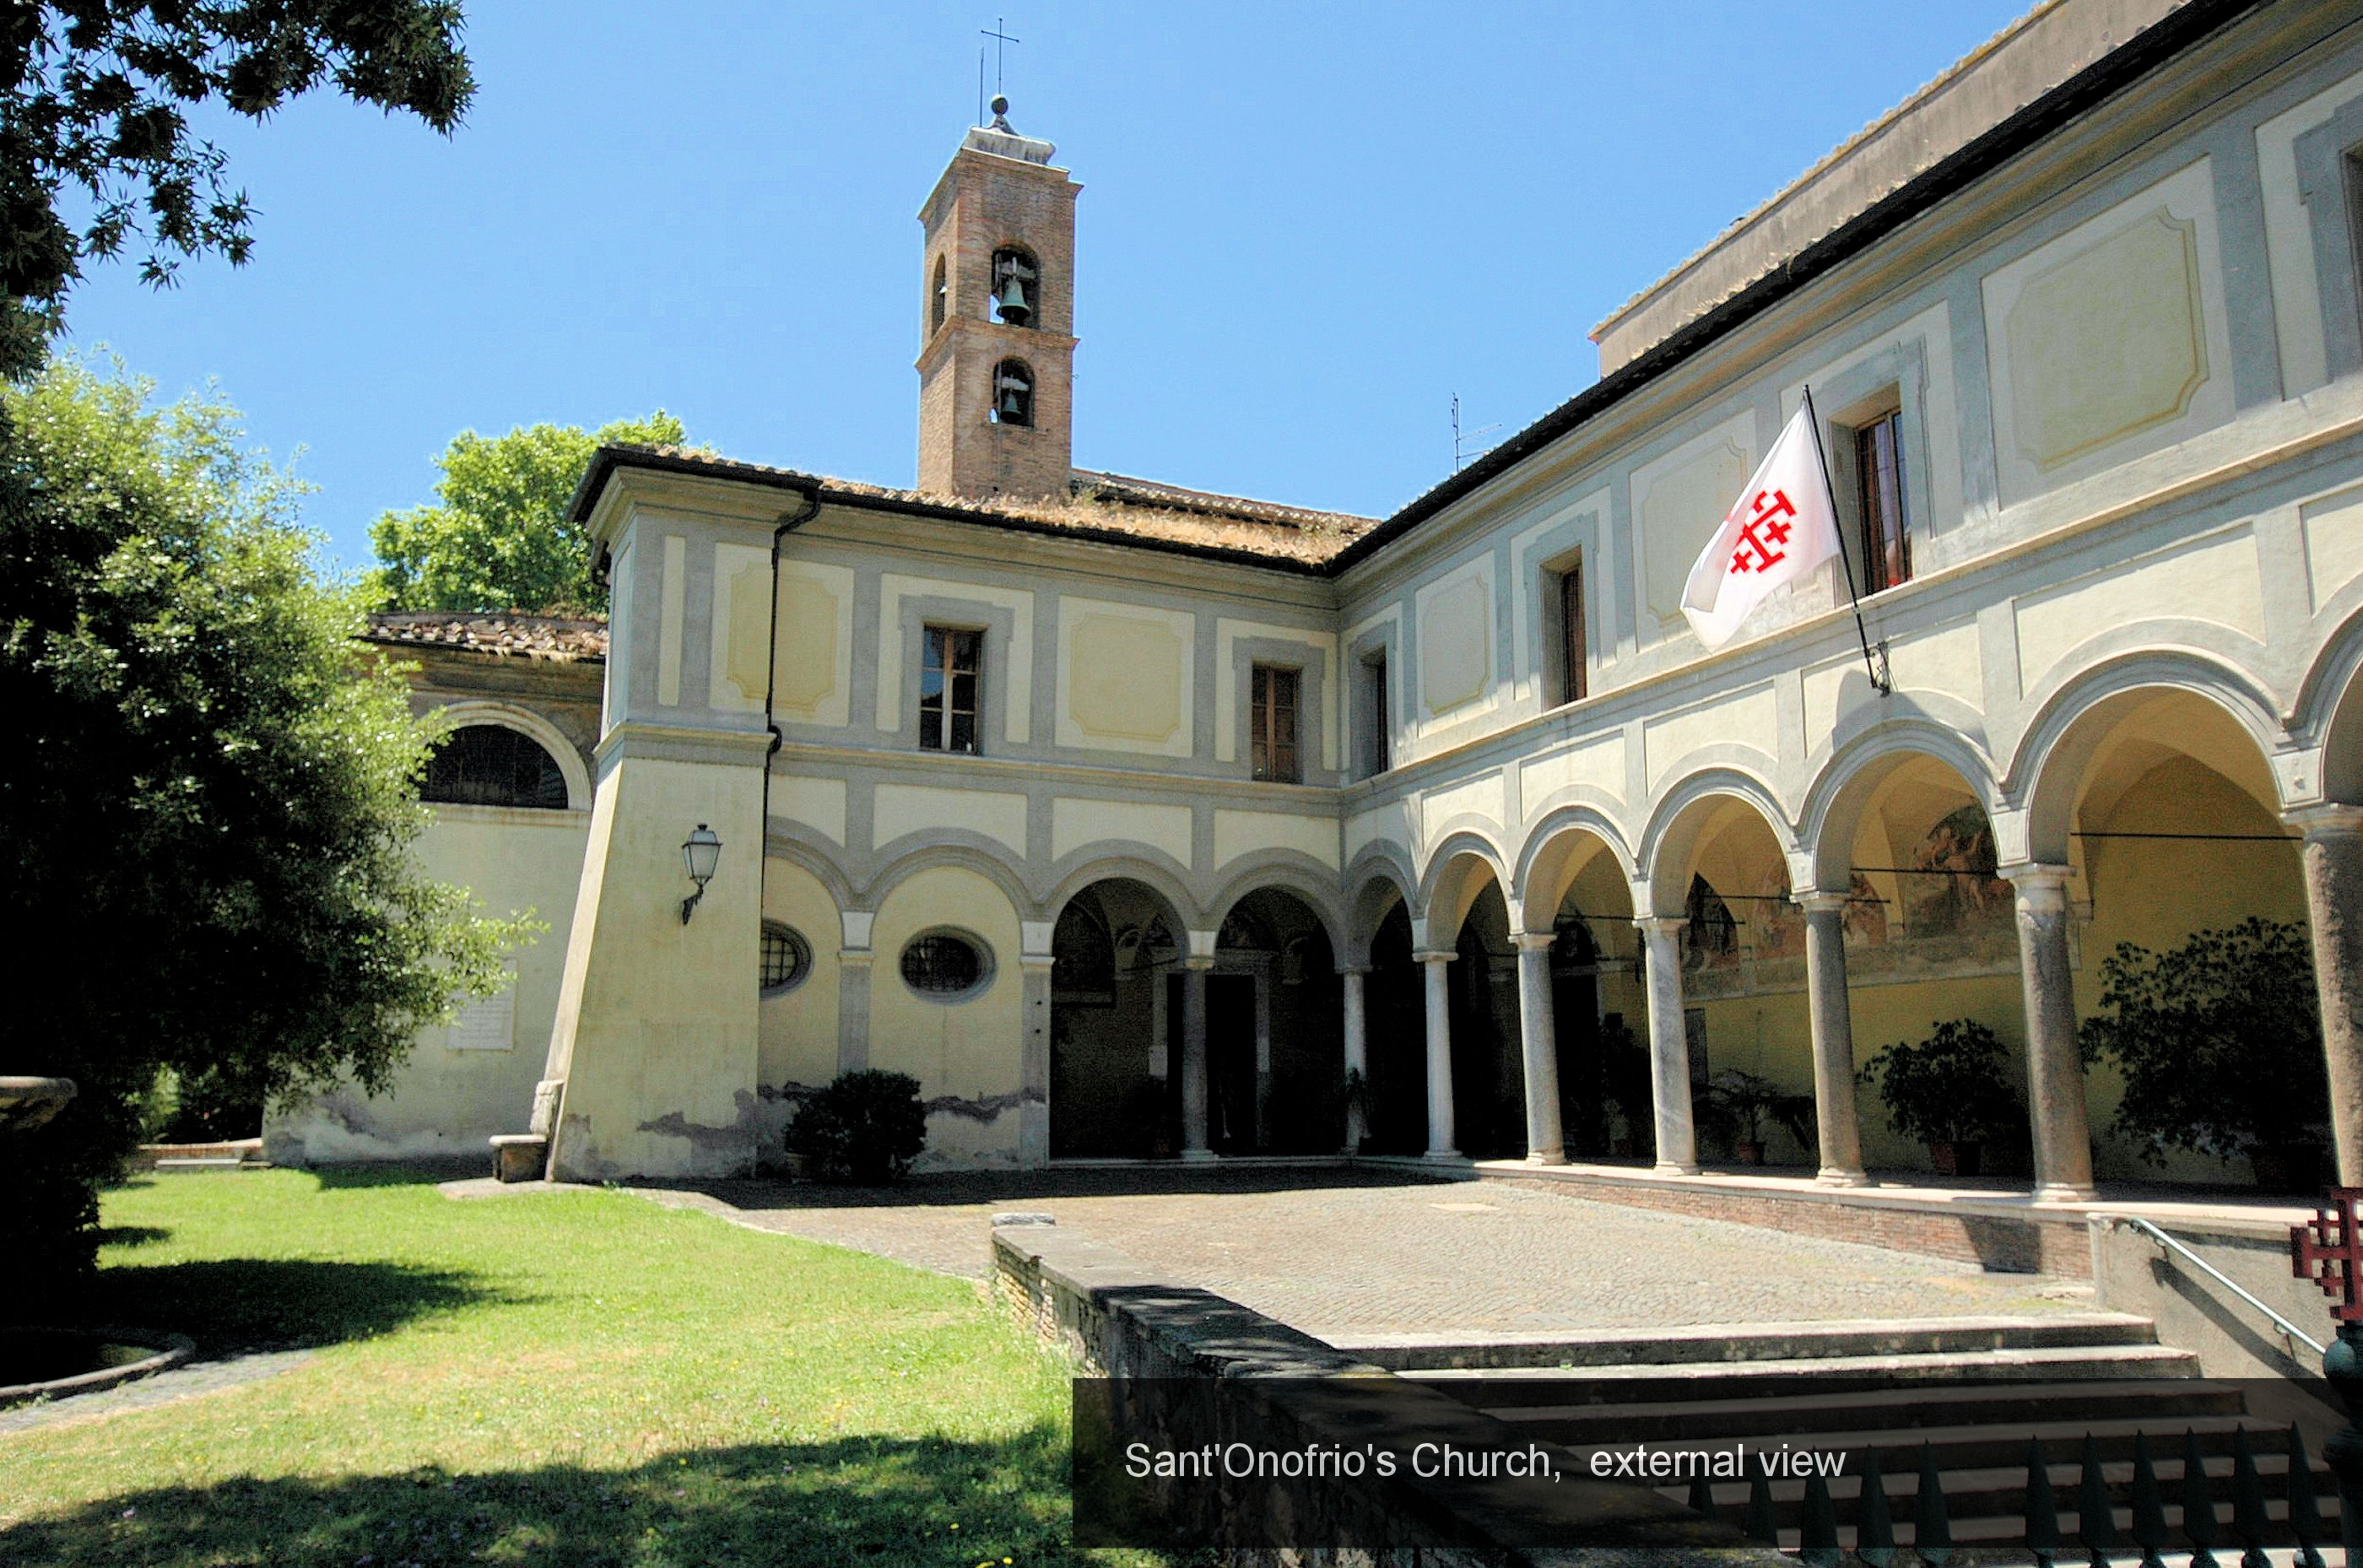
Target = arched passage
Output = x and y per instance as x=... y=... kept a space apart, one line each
x=1576 y=889
x=2160 y=803
x=1488 y=1106
x=1117 y=952
x=1274 y=1030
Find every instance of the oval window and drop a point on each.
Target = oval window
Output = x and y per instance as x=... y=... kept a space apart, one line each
x=946 y=966
x=787 y=957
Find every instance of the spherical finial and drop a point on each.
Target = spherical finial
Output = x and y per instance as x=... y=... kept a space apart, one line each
x=1000 y=104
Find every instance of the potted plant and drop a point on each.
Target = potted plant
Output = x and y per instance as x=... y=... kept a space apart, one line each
x=1951 y=1091
x=1743 y=1105
x=2220 y=1042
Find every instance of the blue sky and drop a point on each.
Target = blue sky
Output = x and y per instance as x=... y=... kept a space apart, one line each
x=1303 y=228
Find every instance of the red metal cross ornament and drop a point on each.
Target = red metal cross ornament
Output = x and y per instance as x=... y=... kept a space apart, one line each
x=2326 y=1250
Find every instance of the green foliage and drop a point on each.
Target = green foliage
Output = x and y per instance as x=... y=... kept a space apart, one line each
x=92 y=115
x=207 y=816
x=498 y=538
x=2219 y=1041
x=1952 y=1087
x=865 y=1128
x=1743 y=1104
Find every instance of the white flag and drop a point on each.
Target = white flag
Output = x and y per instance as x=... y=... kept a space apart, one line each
x=1784 y=526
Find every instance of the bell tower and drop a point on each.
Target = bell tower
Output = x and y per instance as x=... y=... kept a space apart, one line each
x=996 y=322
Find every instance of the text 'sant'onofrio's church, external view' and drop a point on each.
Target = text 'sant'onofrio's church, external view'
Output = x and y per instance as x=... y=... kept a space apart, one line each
x=1140 y=822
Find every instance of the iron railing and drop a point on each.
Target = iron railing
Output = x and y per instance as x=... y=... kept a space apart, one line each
x=2288 y=1329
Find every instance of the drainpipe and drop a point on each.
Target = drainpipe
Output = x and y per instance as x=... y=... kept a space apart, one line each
x=789 y=522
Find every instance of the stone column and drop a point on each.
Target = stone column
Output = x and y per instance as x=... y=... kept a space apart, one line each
x=1670 y=1049
x=1034 y=1063
x=853 y=1008
x=1440 y=1145
x=1538 y=1035
x=2332 y=858
x=2055 y=1074
x=1357 y=1051
x=1833 y=1023
x=1194 y=1057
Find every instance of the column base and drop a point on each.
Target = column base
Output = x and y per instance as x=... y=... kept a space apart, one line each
x=1548 y=1157
x=1199 y=1156
x=1667 y=1168
x=2060 y=1193
x=1838 y=1176
x=1453 y=1156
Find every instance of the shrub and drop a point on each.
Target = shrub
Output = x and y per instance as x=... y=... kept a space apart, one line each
x=865 y=1128
x=2220 y=1042
x=1950 y=1088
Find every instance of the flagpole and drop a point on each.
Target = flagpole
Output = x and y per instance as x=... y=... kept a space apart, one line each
x=1879 y=677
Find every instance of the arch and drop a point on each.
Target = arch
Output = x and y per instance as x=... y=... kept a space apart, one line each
x=1458 y=871
x=1840 y=794
x=939 y=295
x=2330 y=701
x=807 y=857
x=1558 y=848
x=472 y=711
x=1682 y=813
x=1157 y=875
x=1113 y=1083
x=983 y=856
x=2076 y=721
x=1012 y=395
x=1308 y=883
x=1375 y=892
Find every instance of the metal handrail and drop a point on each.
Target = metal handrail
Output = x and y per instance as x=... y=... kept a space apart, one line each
x=2289 y=1328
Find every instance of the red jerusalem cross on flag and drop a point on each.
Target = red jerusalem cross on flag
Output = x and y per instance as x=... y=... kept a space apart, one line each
x=1784 y=526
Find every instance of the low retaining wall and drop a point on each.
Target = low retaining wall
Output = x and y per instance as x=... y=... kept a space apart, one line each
x=2007 y=1238
x=1118 y=1320
x=2132 y=1273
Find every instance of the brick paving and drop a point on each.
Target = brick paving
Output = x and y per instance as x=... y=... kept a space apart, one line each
x=1342 y=1253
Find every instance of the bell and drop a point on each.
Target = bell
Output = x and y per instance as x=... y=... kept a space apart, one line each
x=1012 y=306
x=1013 y=404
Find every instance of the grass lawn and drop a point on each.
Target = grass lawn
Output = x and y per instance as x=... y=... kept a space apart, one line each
x=576 y=1378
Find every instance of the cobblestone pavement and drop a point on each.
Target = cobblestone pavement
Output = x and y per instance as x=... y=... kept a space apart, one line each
x=1337 y=1252
x=182 y=1382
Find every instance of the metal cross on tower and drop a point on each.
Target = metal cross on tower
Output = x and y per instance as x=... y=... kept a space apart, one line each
x=1001 y=54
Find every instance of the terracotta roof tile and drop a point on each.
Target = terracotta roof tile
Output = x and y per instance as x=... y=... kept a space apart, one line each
x=503 y=634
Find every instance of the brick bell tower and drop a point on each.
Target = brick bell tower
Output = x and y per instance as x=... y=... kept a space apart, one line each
x=996 y=318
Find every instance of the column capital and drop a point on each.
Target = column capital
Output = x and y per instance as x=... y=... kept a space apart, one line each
x=1534 y=942
x=1198 y=963
x=1353 y=969
x=1816 y=902
x=2037 y=880
x=1036 y=963
x=2332 y=819
x=859 y=957
x=1434 y=955
x=1661 y=925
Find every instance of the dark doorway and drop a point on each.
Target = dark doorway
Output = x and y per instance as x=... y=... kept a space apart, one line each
x=1575 y=1024
x=1488 y=1099
x=1231 y=1063
x=1394 y=999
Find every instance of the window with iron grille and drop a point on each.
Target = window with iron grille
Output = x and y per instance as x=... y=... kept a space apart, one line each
x=945 y=966
x=1377 y=746
x=1574 y=655
x=787 y=957
x=490 y=764
x=1879 y=475
x=1271 y=724
x=952 y=688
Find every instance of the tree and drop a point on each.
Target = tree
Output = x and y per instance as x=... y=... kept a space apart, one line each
x=208 y=817
x=2219 y=1041
x=498 y=539
x=92 y=94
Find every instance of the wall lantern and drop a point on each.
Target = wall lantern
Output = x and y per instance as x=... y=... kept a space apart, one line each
x=700 y=852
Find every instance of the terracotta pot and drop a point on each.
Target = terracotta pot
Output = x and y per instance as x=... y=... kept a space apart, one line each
x=1962 y=1158
x=1747 y=1153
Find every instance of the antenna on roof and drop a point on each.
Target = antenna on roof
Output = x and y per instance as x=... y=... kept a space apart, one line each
x=1463 y=447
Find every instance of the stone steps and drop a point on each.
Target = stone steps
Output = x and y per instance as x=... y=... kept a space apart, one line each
x=1725 y=1344
x=1501 y=1389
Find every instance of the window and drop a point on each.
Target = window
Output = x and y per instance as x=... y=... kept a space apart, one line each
x=1378 y=721
x=1013 y=393
x=950 y=689
x=490 y=764
x=1570 y=661
x=1271 y=724
x=946 y=966
x=787 y=959
x=1016 y=287
x=941 y=305
x=1879 y=479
